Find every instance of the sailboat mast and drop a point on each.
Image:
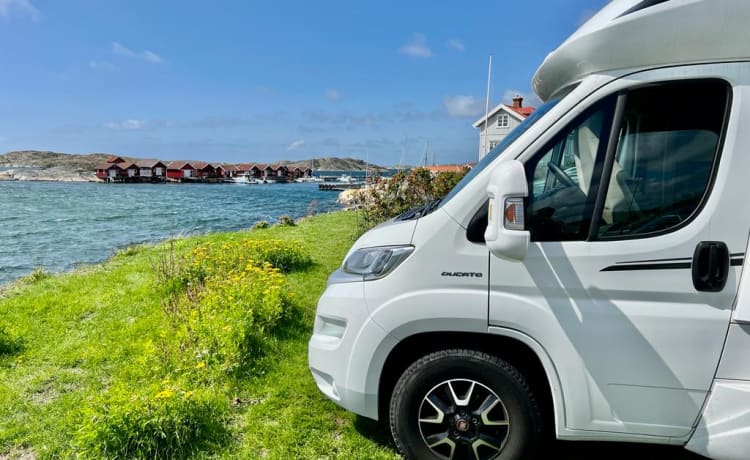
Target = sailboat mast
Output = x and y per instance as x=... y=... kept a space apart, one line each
x=403 y=152
x=487 y=110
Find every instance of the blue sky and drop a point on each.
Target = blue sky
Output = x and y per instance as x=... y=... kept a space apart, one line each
x=263 y=81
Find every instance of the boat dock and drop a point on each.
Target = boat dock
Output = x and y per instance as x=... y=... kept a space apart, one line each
x=340 y=186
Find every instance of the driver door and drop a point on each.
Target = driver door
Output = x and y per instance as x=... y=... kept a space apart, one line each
x=610 y=297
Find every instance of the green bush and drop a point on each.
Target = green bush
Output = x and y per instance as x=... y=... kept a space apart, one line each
x=261 y=224
x=212 y=259
x=286 y=221
x=8 y=343
x=389 y=197
x=161 y=421
x=219 y=328
x=39 y=274
x=129 y=251
x=231 y=297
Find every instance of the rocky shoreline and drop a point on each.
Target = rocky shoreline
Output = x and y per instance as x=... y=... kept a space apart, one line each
x=35 y=165
x=348 y=198
x=54 y=174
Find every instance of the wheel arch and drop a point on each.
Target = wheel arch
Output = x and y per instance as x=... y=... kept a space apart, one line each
x=518 y=349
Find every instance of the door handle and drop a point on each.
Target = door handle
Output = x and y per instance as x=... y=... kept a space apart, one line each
x=710 y=266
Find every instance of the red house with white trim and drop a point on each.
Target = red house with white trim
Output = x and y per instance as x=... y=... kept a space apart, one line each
x=108 y=171
x=180 y=170
x=151 y=170
x=204 y=170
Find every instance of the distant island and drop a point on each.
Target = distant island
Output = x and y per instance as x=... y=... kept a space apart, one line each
x=34 y=165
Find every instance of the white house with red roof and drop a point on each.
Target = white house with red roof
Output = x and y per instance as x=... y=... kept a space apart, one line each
x=499 y=122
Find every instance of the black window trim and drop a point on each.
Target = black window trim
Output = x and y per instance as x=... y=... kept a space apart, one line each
x=614 y=139
x=606 y=168
x=641 y=6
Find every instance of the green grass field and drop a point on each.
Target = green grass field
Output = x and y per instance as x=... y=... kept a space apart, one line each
x=67 y=341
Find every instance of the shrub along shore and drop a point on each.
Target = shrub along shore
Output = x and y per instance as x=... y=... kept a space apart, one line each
x=192 y=348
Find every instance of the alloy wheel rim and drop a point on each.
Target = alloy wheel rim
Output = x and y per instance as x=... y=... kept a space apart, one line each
x=462 y=418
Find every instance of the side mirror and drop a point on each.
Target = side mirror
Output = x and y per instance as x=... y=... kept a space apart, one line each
x=505 y=235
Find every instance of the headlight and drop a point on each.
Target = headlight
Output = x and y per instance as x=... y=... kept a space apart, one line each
x=375 y=263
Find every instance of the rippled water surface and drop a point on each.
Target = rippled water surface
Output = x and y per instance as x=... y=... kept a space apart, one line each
x=59 y=225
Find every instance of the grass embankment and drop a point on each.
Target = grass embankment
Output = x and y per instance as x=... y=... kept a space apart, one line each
x=148 y=354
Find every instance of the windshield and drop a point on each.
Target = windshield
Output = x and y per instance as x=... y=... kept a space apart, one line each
x=500 y=148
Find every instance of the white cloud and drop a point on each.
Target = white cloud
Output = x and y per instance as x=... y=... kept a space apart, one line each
x=462 y=106
x=456 y=44
x=102 y=65
x=126 y=125
x=295 y=145
x=147 y=55
x=417 y=46
x=333 y=95
x=24 y=7
x=152 y=57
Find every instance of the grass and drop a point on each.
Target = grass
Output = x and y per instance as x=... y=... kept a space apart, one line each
x=66 y=340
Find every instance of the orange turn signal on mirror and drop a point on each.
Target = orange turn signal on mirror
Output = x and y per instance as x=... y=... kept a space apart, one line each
x=514 y=211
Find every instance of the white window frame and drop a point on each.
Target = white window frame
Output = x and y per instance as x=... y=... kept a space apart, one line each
x=503 y=120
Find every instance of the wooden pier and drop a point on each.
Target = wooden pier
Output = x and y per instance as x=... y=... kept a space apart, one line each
x=340 y=186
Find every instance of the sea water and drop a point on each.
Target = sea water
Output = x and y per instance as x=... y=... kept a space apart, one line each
x=58 y=225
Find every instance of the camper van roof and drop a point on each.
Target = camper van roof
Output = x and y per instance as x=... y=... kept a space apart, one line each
x=648 y=33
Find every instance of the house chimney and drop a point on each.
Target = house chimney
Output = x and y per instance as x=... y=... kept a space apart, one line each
x=517 y=102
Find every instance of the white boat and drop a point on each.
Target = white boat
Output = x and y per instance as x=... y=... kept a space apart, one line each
x=241 y=180
x=244 y=179
x=247 y=180
x=346 y=179
x=308 y=179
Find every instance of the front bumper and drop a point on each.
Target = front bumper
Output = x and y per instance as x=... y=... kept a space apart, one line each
x=341 y=352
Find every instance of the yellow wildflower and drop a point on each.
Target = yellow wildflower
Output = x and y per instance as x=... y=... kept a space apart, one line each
x=164 y=394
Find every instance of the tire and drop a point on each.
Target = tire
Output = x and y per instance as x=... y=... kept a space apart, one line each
x=488 y=410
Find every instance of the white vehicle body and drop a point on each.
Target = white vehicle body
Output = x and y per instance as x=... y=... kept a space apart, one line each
x=609 y=327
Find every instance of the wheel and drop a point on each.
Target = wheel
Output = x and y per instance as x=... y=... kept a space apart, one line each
x=464 y=404
x=561 y=175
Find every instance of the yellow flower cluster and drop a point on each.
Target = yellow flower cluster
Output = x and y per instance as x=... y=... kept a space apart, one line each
x=165 y=393
x=238 y=294
x=209 y=259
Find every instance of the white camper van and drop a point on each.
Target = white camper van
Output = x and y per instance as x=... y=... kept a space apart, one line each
x=587 y=275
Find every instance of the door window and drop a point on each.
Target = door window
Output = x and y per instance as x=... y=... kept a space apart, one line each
x=668 y=142
x=662 y=163
x=562 y=176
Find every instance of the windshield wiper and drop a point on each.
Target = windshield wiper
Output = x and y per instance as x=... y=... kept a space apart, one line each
x=420 y=211
x=433 y=206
